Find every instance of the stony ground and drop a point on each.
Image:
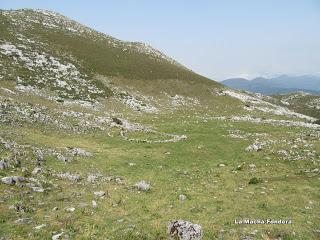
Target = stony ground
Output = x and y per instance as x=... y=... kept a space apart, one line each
x=301 y=102
x=86 y=175
x=87 y=154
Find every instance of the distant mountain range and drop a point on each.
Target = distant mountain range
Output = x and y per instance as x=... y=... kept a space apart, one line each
x=277 y=85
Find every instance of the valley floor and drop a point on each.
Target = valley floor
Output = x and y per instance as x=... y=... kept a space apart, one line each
x=213 y=168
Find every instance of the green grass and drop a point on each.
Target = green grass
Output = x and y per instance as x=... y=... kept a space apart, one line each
x=301 y=104
x=216 y=194
x=211 y=197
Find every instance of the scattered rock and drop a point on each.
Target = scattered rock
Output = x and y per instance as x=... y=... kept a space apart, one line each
x=62 y=158
x=93 y=177
x=40 y=156
x=40 y=226
x=3 y=165
x=99 y=194
x=117 y=121
x=37 y=189
x=13 y=180
x=239 y=167
x=120 y=181
x=18 y=208
x=184 y=230
x=182 y=197
x=36 y=170
x=94 y=204
x=23 y=221
x=57 y=236
x=79 y=152
x=83 y=205
x=253 y=147
x=143 y=186
x=70 y=209
x=68 y=176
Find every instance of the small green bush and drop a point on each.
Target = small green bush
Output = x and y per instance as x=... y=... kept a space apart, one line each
x=255 y=180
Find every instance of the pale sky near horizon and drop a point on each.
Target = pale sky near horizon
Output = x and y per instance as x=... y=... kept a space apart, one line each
x=218 y=39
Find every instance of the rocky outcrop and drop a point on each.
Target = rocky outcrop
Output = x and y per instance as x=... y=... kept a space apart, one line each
x=184 y=230
x=143 y=186
x=13 y=180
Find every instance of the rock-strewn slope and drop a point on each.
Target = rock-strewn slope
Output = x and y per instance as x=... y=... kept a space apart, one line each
x=301 y=102
x=107 y=139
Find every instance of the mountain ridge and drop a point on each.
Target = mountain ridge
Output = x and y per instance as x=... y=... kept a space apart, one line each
x=124 y=52
x=276 y=85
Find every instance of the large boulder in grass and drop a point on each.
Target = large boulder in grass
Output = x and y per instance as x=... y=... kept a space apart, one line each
x=184 y=230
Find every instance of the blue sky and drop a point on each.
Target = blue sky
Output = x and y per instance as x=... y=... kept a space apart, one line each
x=218 y=39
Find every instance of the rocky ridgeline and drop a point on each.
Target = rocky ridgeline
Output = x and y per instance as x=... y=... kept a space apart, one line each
x=29 y=19
x=61 y=77
x=314 y=104
x=287 y=98
x=260 y=103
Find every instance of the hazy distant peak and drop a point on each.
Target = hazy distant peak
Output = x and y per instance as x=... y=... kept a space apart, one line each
x=277 y=85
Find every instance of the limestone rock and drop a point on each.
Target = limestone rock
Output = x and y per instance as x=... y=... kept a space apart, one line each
x=57 y=236
x=36 y=170
x=143 y=186
x=13 y=180
x=182 y=197
x=184 y=230
x=99 y=194
x=3 y=165
x=70 y=209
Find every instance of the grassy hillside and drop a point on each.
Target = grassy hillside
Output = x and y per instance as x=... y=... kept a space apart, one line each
x=84 y=118
x=301 y=102
x=92 y=52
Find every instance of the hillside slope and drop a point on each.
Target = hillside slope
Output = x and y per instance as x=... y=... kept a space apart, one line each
x=301 y=102
x=106 y=139
x=47 y=46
